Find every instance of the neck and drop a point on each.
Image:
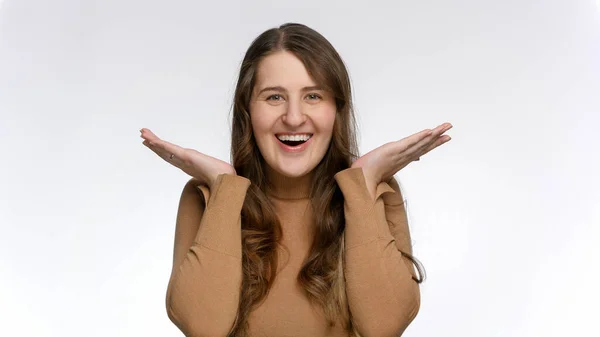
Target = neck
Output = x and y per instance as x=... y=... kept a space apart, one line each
x=283 y=187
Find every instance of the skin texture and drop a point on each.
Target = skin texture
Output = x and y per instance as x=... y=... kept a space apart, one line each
x=292 y=105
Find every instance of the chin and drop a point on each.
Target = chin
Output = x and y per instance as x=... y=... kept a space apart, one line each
x=292 y=173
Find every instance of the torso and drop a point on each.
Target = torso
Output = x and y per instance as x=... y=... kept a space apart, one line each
x=286 y=311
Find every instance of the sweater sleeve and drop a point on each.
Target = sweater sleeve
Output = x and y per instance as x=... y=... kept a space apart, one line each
x=204 y=287
x=382 y=295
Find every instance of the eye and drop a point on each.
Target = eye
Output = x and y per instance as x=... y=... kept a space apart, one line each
x=313 y=96
x=275 y=97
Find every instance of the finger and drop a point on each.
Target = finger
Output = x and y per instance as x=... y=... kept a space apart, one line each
x=429 y=144
x=159 y=151
x=162 y=147
x=413 y=145
x=170 y=152
x=443 y=127
x=148 y=135
x=437 y=132
x=427 y=136
x=414 y=140
x=438 y=142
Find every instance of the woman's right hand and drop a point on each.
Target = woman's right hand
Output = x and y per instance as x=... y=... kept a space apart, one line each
x=196 y=164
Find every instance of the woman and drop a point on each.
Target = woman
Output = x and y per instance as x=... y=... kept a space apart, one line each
x=297 y=237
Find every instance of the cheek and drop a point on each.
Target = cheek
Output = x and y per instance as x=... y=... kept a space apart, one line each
x=326 y=121
x=255 y=119
x=261 y=126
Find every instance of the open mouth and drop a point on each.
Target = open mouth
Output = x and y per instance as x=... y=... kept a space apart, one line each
x=293 y=142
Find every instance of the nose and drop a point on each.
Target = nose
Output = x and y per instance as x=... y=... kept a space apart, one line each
x=294 y=116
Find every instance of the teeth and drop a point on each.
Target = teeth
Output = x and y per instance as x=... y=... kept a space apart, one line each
x=294 y=138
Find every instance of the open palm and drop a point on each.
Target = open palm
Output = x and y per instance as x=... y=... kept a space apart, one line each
x=380 y=164
x=195 y=163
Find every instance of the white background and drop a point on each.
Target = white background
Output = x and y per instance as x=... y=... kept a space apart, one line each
x=504 y=217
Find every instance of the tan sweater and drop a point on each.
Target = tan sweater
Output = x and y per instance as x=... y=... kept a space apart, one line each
x=204 y=287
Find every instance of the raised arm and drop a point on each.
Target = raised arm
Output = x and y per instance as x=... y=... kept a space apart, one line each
x=382 y=295
x=204 y=287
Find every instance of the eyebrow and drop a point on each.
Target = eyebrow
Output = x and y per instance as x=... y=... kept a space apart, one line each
x=282 y=89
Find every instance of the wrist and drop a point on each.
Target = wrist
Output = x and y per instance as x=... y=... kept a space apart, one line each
x=371 y=177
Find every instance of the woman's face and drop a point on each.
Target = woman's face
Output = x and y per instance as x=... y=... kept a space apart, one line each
x=292 y=118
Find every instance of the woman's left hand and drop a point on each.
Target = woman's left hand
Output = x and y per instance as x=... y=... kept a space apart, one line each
x=381 y=164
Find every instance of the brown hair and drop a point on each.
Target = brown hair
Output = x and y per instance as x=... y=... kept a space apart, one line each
x=321 y=275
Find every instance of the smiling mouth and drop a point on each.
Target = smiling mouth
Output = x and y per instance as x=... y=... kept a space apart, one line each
x=292 y=142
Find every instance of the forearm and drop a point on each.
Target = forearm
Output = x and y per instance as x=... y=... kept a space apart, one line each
x=382 y=295
x=203 y=292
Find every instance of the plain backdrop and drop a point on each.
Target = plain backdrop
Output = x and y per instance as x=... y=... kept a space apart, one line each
x=504 y=217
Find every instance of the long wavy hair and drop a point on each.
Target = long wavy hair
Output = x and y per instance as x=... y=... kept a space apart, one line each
x=321 y=276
